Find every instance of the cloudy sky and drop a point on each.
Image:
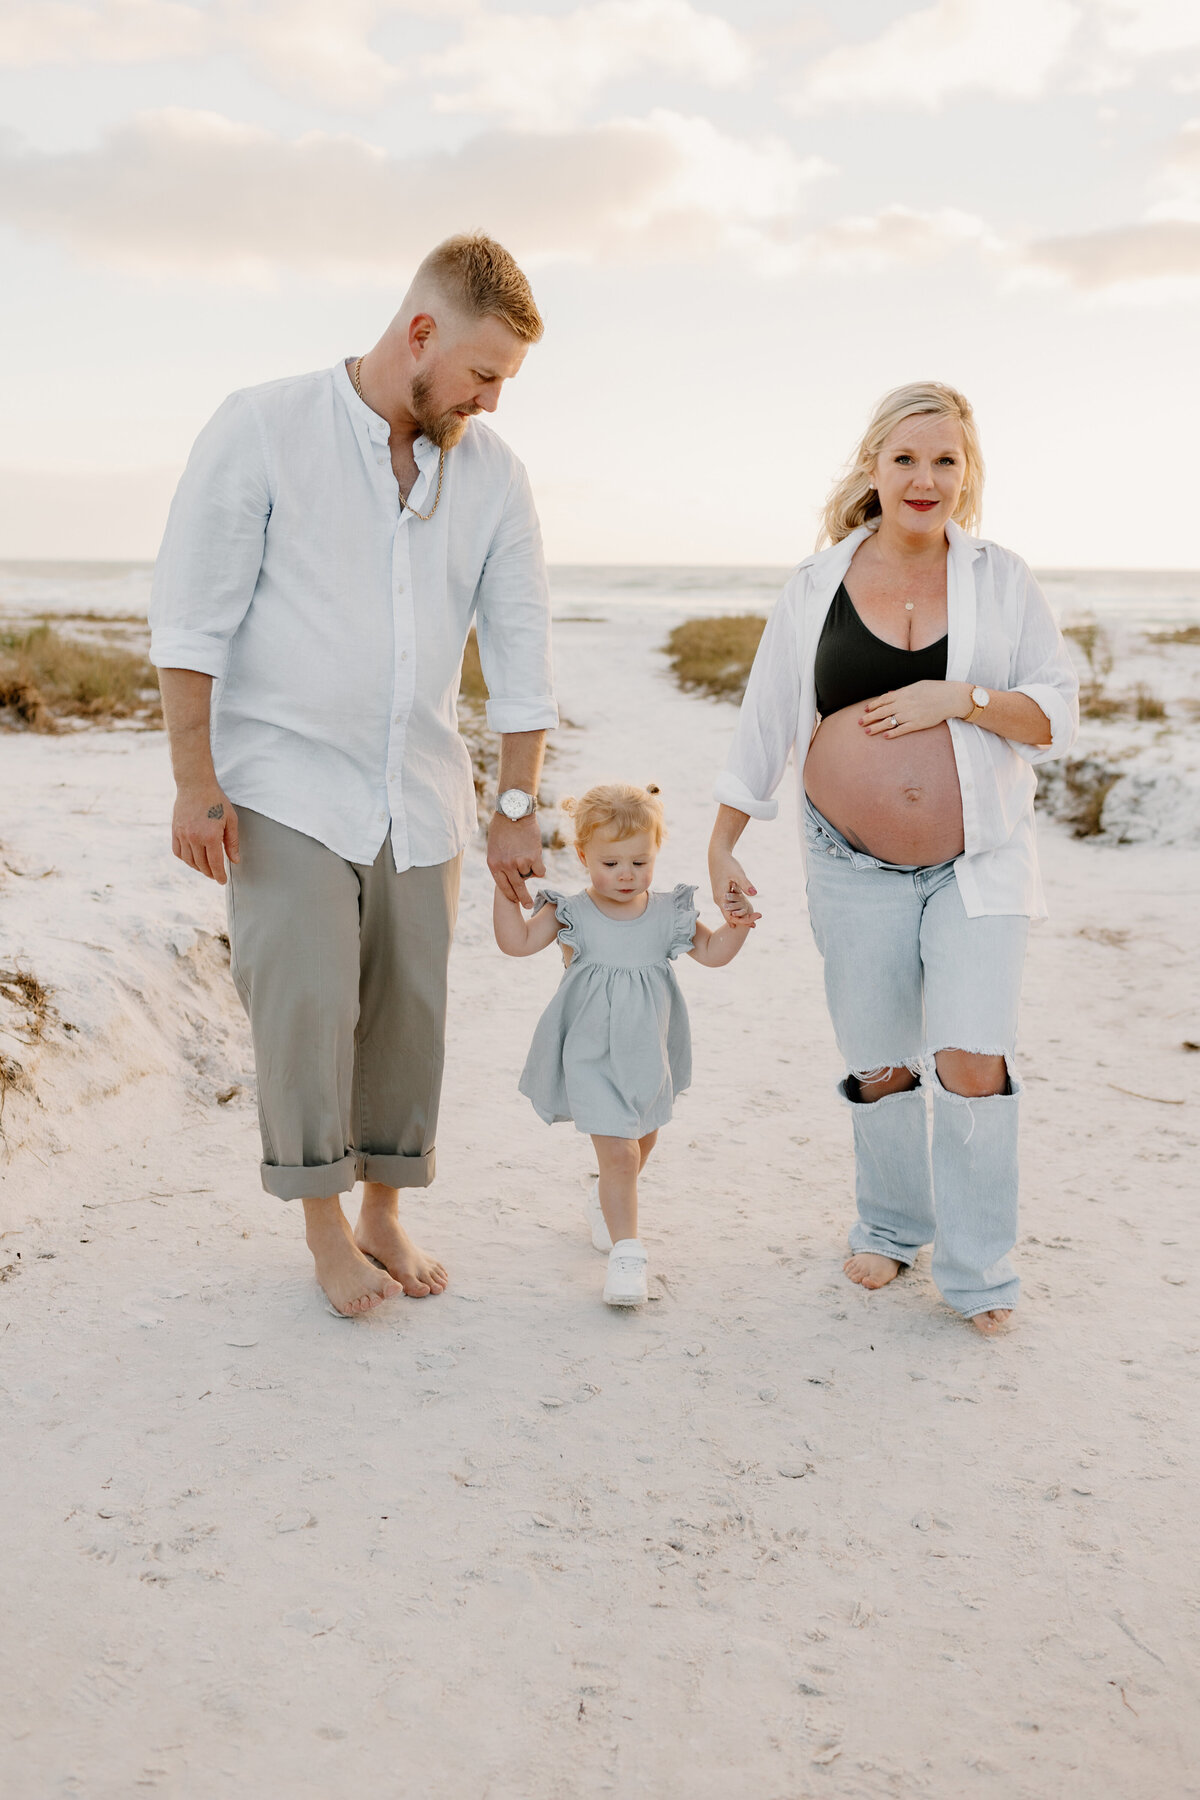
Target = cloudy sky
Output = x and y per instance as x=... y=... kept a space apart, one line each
x=744 y=219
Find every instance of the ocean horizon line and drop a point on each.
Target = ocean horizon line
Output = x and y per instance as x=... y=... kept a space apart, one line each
x=78 y=565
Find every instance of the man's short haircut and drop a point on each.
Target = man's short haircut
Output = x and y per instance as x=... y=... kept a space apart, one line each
x=478 y=274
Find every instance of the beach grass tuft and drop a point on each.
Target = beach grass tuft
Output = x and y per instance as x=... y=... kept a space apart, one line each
x=45 y=677
x=1096 y=646
x=21 y=988
x=1089 y=784
x=1147 y=705
x=714 y=656
x=1095 y=703
x=1181 y=634
x=31 y=1000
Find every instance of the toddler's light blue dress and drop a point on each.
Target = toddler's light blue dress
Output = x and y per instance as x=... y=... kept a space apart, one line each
x=613 y=1048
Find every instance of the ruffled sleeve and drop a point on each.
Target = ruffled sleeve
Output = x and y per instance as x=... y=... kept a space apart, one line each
x=683 y=920
x=564 y=911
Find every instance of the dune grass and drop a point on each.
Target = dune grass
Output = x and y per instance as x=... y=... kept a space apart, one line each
x=713 y=656
x=23 y=991
x=46 y=676
x=1182 y=634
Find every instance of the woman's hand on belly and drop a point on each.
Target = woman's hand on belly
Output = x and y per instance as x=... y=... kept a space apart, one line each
x=894 y=795
x=918 y=707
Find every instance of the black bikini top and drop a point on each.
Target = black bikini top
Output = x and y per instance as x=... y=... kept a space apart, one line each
x=853 y=664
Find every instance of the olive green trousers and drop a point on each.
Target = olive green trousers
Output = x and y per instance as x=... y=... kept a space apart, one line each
x=341 y=968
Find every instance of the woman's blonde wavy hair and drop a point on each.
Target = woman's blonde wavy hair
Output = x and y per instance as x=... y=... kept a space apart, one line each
x=618 y=810
x=854 y=500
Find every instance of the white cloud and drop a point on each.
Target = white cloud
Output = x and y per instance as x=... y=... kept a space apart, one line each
x=538 y=69
x=942 y=52
x=1161 y=250
x=104 y=31
x=897 y=234
x=523 y=68
x=1124 y=35
x=181 y=191
x=314 y=47
x=1150 y=27
x=1154 y=251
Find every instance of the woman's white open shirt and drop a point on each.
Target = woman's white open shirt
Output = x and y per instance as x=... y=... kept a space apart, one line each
x=1002 y=635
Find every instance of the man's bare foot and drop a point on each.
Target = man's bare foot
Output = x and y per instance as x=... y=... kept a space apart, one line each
x=380 y=1234
x=871 y=1271
x=991 y=1323
x=352 y=1284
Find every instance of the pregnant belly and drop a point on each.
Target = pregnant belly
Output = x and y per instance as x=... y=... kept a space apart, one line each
x=896 y=798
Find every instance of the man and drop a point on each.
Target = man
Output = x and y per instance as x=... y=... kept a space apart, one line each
x=330 y=542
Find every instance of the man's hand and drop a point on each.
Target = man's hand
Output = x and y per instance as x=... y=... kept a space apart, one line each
x=204 y=831
x=515 y=853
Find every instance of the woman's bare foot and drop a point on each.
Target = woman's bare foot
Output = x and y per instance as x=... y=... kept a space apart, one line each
x=871 y=1271
x=380 y=1234
x=352 y=1284
x=991 y=1323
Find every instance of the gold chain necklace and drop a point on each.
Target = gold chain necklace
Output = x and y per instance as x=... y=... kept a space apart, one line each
x=441 y=457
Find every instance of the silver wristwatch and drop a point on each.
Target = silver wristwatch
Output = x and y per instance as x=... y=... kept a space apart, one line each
x=515 y=803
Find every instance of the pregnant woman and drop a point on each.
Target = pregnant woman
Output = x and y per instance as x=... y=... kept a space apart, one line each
x=919 y=674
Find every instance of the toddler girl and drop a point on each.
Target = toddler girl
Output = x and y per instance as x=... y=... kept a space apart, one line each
x=613 y=1048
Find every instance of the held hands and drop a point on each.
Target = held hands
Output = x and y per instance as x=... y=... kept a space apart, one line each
x=731 y=889
x=514 y=852
x=204 y=831
x=916 y=708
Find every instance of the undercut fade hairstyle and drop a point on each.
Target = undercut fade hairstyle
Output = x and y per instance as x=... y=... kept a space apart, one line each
x=854 y=501
x=478 y=274
x=619 y=811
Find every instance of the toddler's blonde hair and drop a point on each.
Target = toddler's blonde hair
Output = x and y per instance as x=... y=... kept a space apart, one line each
x=617 y=809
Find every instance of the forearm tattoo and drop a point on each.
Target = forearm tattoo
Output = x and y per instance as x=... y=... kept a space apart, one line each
x=217 y=811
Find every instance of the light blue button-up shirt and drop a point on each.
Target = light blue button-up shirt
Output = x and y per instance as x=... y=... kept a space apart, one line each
x=334 y=620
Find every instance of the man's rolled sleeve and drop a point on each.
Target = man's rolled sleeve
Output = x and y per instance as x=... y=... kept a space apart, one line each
x=513 y=620
x=200 y=650
x=212 y=549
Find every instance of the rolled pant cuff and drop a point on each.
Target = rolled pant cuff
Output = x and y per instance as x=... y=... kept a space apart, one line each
x=320 y=1181
x=399 y=1171
x=309 y=1181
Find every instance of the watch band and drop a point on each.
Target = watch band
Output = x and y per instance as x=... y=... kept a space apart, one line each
x=976 y=709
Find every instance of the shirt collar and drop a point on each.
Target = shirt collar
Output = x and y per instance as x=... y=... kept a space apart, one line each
x=377 y=428
x=962 y=541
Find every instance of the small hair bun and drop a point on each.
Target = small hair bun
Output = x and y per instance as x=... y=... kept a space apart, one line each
x=652 y=788
x=568 y=804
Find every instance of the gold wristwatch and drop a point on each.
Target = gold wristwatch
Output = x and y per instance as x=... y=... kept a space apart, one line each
x=979 y=699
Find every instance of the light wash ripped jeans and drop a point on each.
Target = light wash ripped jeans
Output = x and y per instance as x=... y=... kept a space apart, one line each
x=907 y=974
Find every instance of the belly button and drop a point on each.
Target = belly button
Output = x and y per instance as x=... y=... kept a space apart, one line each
x=912 y=793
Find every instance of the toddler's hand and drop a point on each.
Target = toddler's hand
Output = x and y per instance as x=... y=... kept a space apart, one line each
x=737 y=908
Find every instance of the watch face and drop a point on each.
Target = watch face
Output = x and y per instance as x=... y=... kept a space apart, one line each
x=514 y=804
x=980 y=696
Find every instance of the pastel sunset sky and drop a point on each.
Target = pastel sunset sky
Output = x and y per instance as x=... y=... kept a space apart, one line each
x=742 y=221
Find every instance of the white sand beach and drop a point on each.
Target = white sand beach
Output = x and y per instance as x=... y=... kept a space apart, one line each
x=771 y=1537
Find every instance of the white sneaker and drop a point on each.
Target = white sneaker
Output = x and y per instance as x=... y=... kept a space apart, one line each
x=626 y=1283
x=595 y=1218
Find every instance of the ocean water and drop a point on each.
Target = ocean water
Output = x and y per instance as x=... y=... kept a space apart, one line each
x=1143 y=598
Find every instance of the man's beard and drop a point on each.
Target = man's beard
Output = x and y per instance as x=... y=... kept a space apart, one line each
x=443 y=429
